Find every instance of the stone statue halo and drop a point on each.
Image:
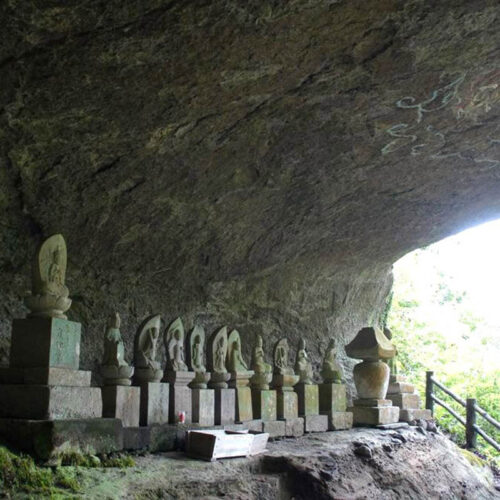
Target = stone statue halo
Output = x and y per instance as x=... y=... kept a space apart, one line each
x=153 y=321
x=174 y=334
x=234 y=336
x=215 y=340
x=53 y=247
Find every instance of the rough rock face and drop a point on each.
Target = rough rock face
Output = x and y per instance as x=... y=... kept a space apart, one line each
x=396 y=465
x=260 y=164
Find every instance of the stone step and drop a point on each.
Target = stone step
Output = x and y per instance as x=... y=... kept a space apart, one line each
x=411 y=414
x=405 y=401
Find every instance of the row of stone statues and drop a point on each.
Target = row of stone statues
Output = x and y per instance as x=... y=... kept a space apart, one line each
x=224 y=357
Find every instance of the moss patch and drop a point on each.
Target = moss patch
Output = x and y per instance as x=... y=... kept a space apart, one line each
x=20 y=473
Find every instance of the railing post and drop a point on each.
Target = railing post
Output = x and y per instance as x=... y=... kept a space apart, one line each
x=470 y=421
x=429 y=402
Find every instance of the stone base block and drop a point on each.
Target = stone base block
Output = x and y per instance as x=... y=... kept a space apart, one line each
x=45 y=342
x=339 y=420
x=308 y=397
x=243 y=404
x=42 y=402
x=332 y=398
x=203 y=402
x=45 y=376
x=400 y=387
x=46 y=439
x=123 y=402
x=136 y=438
x=264 y=405
x=397 y=378
x=405 y=401
x=225 y=406
x=411 y=414
x=180 y=401
x=374 y=415
x=287 y=404
x=254 y=425
x=372 y=402
x=294 y=427
x=276 y=428
x=154 y=403
x=315 y=423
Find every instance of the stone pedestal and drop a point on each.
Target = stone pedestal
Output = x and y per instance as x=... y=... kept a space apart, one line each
x=294 y=427
x=225 y=406
x=332 y=402
x=264 y=404
x=403 y=395
x=308 y=398
x=287 y=404
x=203 y=402
x=43 y=381
x=243 y=405
x=315 y=423
x=180 y=395
x=154 y=403
x=123 y=402
x=43 y=402
x=45 y=342
x=374 y=412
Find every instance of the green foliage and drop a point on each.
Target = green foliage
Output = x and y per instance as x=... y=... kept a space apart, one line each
x=436 y=327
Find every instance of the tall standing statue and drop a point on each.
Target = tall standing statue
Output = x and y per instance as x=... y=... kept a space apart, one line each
x=303 y=366
x=174 y=341
x=263 y=371
x=147 y=368
x=217 y=352
x=331 y=371
x=114 y=369
x=196 y=356
x=50 y=296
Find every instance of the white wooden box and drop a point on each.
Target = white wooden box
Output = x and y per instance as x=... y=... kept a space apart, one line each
x=213 y=444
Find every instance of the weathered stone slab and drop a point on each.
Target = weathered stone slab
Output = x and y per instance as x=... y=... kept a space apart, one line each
x=180 y=401
x=275 y=428
x=405 y=401
x=294 y=427
x=397 y=378
x=254 y=425
x=57 y=376
x=287 y=404
x=136 y=438
x=366 y=415
x=264 y=404
x=42 y=402
x=332 y=398
x=400 y=387
x=203 y=402
x=308 y=398
x=339 y=420
x=123 y=402
x=315 y=423
x=154 y=403
x=48 y=438
x=45 y=342
x=225 y=406
x=410 y=414
x=372 y=402
x=243 y=404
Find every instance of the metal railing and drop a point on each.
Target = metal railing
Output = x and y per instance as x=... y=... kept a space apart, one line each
x=472 y=430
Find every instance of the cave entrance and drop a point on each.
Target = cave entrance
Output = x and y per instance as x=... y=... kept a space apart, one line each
x=445 y=317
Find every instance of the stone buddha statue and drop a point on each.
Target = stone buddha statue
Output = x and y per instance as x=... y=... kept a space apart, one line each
x=175 y=347
x=303 y=367
x=49 y=296
x=262 y=370
x=331 y=370
x=114 y=368
x=236 y=362
x=148 y=369
x=196 y=356
x=281 y=358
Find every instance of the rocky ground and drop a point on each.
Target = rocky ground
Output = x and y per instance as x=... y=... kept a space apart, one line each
x=357 y=464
